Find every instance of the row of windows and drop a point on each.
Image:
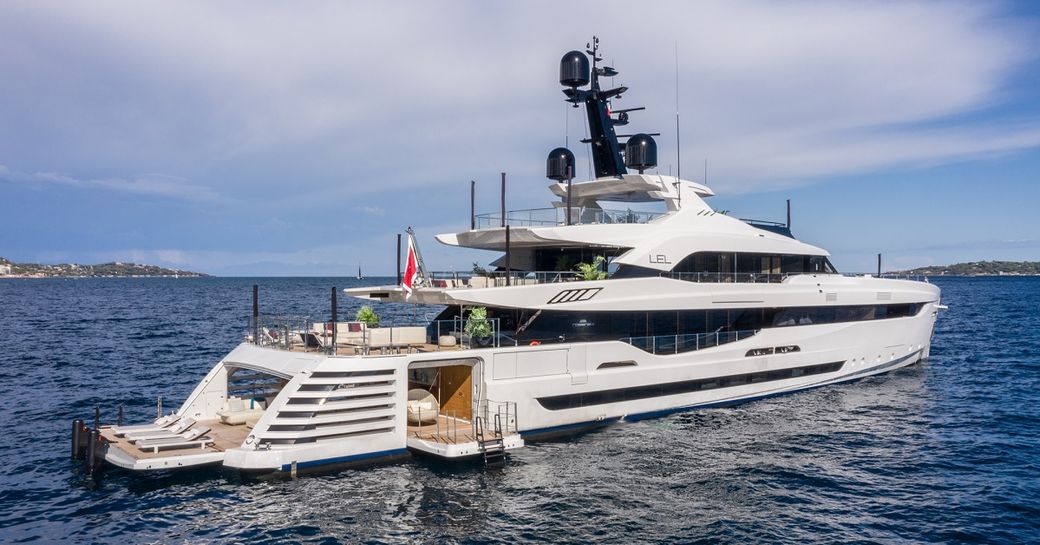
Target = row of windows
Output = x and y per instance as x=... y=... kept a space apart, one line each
x=618 y=395
x=575 y=326
x=753 y=263
x=772 y=350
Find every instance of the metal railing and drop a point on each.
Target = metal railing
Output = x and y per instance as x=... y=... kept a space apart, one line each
x=278 y=330
x=547 y=217
x=298 y=333
x=891 y=276
x=501 y=415
x=449 y=430
x=774 y=278
x=676 y=344
x=730 y=277
x=491 y=279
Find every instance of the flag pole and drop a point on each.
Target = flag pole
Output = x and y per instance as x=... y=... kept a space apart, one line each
x=418 y=259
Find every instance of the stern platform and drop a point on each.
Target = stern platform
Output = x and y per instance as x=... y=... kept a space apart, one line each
x=121 y=452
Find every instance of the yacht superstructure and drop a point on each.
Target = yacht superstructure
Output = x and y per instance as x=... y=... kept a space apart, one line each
x=592 y=315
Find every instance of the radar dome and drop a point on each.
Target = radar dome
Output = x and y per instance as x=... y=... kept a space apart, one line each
x=641 y=152
x=559 y=164
x=574 y=70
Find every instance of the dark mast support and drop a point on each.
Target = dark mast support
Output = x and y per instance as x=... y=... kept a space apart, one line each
x=508 y=281
x=788 y=214
x=574 y=73
x=472 y=205
x=879 y=265
x=503 y=199
x=398 y=258
x=570 y=177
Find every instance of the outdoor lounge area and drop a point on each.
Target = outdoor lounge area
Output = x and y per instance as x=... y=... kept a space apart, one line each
x=357 y=338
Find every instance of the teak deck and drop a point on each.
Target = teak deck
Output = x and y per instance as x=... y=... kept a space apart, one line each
x=448 y=433
x=224 y=437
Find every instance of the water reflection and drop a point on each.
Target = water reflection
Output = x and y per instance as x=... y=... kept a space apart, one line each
x=940 y=452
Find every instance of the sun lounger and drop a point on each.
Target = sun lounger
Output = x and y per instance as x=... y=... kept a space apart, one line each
x=173 y=431
x=189 y=435
x=311 y=339
x=160 y=424
x=202 y=444
x=192 y=438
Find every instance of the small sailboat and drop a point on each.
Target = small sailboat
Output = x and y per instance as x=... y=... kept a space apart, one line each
x=359 y=275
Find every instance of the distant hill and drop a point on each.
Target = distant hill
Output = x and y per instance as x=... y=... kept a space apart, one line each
x=103 y=270
x=981 y=268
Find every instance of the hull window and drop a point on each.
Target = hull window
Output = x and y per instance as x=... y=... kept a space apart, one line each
x=619 y=395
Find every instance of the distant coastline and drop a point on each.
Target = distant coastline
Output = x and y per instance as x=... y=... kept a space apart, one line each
x=979 y=268
x=103 y=270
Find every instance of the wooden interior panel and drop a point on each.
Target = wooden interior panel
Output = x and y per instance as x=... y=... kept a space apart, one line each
x=455 y=390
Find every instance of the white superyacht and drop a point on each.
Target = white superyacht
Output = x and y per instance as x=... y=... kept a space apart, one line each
x=592 y=316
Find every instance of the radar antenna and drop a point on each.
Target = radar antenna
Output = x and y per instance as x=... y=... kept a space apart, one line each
x=606 y=151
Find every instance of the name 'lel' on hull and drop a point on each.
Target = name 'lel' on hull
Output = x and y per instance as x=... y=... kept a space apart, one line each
x=591 y=315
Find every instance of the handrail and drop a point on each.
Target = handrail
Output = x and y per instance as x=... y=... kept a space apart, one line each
x=731 y=277
x=504 y=415
x=751 y=221
x=298 y=332
x=535 y=217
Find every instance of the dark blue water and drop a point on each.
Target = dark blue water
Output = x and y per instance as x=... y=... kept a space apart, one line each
x=943 y=452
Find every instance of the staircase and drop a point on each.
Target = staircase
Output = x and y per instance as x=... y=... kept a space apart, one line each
x=491 y=442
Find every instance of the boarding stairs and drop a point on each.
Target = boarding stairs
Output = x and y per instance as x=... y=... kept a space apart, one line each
x=491 y=441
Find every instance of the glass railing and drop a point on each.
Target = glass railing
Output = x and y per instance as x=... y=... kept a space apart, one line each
x=677 y=344
x=491 y=279
x=730 y=278
x=548 y=217
x=347 y=337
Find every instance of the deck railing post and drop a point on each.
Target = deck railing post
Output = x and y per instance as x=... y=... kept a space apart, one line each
x=92 y=446
x=335 y=318
x=77 y=439
x=503 y=199
x=507 y=243
x=256 y=315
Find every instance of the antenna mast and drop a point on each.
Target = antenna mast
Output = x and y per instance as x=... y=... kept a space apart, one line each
x=678 y=149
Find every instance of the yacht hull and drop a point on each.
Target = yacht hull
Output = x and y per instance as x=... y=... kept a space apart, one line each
x=557 y=389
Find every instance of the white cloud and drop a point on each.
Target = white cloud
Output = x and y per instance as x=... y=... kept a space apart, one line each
x=426 y=94
x=371 y=210
x=149 y=184
x=386 y=110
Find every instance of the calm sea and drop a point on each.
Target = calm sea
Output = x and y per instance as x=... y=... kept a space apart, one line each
x=943 y=452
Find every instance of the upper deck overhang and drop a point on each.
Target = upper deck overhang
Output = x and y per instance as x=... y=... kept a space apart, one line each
x=662 y=293
x=596 y=235
x=633 y=188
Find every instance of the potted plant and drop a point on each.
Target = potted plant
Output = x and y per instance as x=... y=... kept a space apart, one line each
x=478 y=327
x=594 y=270
x=367 y=315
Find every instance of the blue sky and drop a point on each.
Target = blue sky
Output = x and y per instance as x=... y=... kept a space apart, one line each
x=264 y=138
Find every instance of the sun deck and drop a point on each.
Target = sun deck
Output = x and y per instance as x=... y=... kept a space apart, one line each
x=126 y=454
